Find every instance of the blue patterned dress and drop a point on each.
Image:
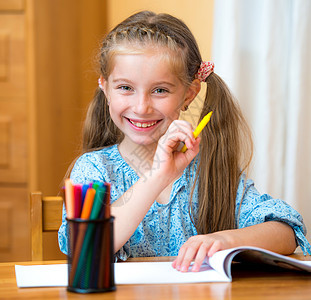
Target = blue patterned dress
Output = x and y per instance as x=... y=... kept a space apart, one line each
x=166 y=227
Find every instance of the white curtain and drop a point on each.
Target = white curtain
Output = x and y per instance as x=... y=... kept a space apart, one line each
x=262 y=49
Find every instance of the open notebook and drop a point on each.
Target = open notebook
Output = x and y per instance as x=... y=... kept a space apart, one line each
x=215 y=269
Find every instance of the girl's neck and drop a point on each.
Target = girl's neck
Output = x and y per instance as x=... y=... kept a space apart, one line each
x=139 y=157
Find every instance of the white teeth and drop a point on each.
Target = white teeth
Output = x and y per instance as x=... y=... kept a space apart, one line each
x=143 y=125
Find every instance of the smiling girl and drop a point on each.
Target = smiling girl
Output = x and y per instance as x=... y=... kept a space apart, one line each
x=166 y=202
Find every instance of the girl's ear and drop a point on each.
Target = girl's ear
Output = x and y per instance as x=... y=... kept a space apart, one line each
x=103 y=86
x=102 y=83
x=191 y=93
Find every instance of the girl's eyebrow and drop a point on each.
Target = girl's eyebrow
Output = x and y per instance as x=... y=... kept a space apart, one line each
x=165 y=83
x=121 y=80
x=117 y=80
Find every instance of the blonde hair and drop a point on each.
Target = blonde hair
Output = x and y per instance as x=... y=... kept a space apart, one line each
x=222 y=158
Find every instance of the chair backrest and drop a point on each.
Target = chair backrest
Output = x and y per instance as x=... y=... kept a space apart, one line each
x=46 y=216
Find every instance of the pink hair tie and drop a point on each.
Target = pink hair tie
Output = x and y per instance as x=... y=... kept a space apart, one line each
x=206 y=68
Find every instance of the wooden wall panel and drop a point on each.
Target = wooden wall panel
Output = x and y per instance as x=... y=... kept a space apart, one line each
x=12 y=5
x=4 y=142
x=14 y=224
x=12 y=56
x=4 y=56
x=13 y=141
x=6 y=212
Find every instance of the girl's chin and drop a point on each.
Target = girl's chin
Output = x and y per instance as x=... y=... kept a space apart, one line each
x=146 y=141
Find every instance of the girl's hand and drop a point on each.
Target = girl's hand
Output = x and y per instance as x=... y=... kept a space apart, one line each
x=273 y=235
x=168 y=160
x=198 y=247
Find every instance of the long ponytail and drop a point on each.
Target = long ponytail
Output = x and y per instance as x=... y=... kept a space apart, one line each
x=223 y=144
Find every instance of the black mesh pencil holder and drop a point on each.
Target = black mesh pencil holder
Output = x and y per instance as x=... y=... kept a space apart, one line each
x=90 y=255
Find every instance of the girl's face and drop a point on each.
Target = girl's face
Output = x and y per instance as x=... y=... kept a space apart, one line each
x=144 y=96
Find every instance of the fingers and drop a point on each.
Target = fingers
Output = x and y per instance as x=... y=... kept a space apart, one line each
x=199 y=258
x=185 y=255
x=192 y=152
x=196 y=249
x=178 y=131
x=214 y=248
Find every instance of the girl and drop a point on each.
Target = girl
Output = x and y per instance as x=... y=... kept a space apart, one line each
x=168 y=202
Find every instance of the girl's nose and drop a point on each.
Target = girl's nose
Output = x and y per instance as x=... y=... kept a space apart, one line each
x=143 y=104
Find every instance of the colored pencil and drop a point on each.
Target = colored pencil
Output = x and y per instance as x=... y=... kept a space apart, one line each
x=85 y=187
x=69 y=198
x=77 y=190
x=88 y=204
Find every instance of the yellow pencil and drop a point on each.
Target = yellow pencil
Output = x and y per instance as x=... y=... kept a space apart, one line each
x=199 y=128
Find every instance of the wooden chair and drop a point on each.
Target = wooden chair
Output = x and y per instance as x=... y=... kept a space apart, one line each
x=46 y=217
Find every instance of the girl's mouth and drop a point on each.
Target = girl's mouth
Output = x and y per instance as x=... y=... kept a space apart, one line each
x=143 y=124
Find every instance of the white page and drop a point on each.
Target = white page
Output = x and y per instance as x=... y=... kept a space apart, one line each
x=125 y=273
x=217 y=262
x=162 y=272
x=137 y=272
x=41 y=275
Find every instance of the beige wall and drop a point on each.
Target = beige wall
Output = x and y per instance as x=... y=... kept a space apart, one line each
x=197 y=14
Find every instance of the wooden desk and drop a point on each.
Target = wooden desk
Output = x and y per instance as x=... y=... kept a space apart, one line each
x=261 y=284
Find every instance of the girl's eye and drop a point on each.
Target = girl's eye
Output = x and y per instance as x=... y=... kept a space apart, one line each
x=125 y=88
x=160 y=91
